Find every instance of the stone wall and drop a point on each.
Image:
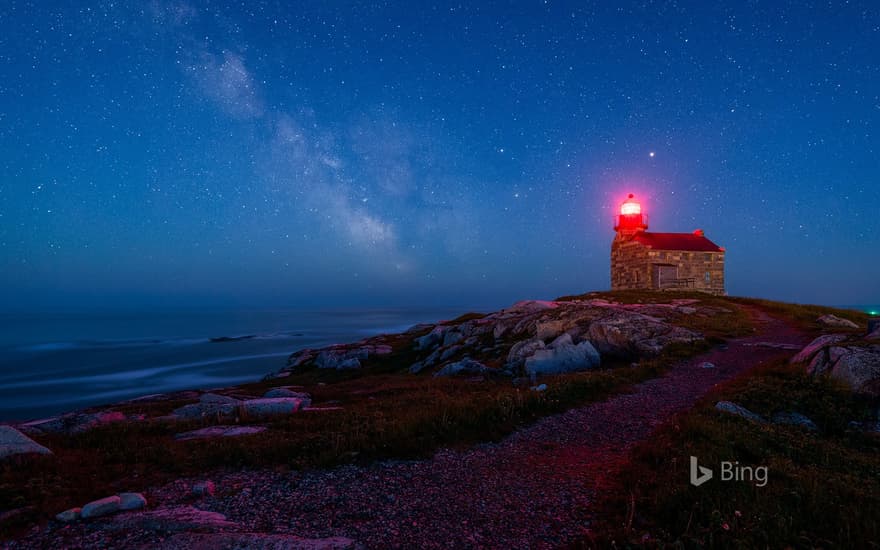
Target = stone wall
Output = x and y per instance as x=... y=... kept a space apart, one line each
x=633 y=267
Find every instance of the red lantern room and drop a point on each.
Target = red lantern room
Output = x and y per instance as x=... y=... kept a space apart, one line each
x=631 y=219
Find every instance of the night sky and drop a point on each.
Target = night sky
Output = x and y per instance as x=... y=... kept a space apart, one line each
x=271 y=154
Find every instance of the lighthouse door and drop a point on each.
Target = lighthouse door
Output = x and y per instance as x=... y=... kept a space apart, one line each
x=665 y=276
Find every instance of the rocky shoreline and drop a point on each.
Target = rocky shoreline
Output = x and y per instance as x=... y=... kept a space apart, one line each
x=523 y=346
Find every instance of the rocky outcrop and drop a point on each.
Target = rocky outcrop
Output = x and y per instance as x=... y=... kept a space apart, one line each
x=853 y=361
x=526 y=331
x=343 y=356
x=13 y=442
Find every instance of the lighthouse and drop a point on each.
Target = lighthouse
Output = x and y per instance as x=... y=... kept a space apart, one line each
x=643 y=260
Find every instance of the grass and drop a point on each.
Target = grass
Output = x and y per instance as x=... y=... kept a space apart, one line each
x=804 y=315
x=823 y=489
x=385 y=415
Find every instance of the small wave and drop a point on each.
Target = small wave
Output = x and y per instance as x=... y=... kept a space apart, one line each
x=138 y=374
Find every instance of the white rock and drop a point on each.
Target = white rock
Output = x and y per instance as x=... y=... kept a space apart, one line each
x=13 y=442
x=835 y=321
x=563 y=356
x=131 y=501
x=101 y=507
x=539 y=387
x=69 y=515
x=813 y=347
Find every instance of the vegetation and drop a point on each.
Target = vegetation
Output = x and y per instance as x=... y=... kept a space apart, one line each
x=823 y=489
x=804 y=315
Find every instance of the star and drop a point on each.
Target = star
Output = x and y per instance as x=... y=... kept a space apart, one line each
x=651 y=154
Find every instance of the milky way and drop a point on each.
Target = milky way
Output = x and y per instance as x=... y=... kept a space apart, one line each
x=266 y=154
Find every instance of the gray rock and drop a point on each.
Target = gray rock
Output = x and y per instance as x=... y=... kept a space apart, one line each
x=452 y=337
x=859 y=368
x=69 y=515
x=432 y=339
x=794 y=419
x=219 y=431
x=539 y=387
x=132 y=501
x=739 y=410
x=449 y=352
x=465 y=366
x=101 y=507
x=816 y=345
x=707 y=365
x=203 y=488
x=563 y=356
x=835 y=321
x=13 y=442
x=287 y=392
x=417 y=367
x=209 y=408
x=522 y=350
x=550 y=329
x=271 y=406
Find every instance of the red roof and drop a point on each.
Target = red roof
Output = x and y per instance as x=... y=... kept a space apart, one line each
x=677 y=241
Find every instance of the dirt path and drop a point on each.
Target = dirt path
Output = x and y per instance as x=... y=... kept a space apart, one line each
x=533 y=489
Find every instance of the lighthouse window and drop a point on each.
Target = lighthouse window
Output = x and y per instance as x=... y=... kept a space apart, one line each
x=708 y=277
x=708 y=256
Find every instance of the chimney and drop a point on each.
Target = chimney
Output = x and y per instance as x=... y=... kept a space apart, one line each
x=699 y=233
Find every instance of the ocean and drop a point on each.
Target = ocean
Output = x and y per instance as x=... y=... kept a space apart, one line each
x=51 y=364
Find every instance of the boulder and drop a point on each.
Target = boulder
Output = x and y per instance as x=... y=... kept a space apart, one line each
x=859 y=368
x=101 y=507
x=272 y=406
x=219 y=431
x=69 y=515
x=549 y=330
x=207 y=408
x=813 y=347
x=563 y=356
x=794 y=419
x=738 y=410
x=452 y=337
x=432 y=339
x=465 y=366
x=521 y=351
x=13 y=442
x=132 y=501
x=72 y=423
x=213 y=398
x=835 y=321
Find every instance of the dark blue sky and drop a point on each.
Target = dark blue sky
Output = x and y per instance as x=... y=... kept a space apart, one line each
x=266 y=154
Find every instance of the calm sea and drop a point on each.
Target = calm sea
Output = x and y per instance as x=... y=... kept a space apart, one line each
x=56 y=363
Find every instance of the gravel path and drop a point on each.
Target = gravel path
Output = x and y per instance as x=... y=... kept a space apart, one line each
x=533 y=489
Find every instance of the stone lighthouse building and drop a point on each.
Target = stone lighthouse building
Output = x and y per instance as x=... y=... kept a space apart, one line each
x=642 y=260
